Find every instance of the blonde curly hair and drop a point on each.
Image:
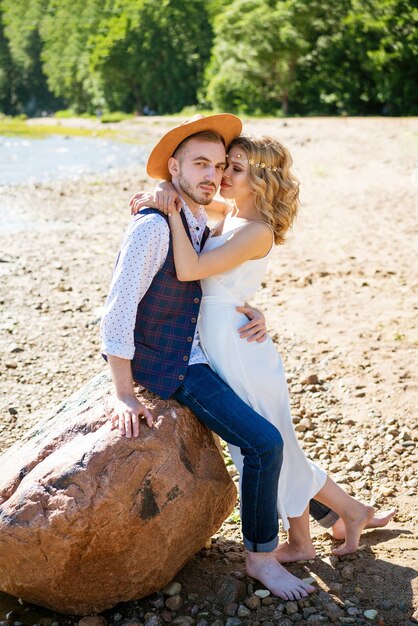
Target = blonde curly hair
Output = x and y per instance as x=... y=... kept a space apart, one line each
x=276 y=192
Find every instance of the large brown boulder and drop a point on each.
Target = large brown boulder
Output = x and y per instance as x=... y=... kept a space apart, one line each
x=89 y=518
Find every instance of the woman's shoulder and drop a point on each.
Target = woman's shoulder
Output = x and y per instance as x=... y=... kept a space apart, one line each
x=256 y=228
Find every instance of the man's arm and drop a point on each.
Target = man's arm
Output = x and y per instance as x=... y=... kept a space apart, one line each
x=127 y=407
x=142 y=254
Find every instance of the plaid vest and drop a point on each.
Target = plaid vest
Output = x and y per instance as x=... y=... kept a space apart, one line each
x=165 y=325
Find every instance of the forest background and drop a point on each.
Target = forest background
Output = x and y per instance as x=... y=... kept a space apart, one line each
x=259 y=57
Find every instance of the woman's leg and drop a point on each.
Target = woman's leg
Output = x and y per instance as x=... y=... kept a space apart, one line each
x=219 y=408
x=299 y=546
x=379 y=520
x=355 y=515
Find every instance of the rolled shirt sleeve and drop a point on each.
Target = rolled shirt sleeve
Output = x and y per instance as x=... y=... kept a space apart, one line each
x=143 y=253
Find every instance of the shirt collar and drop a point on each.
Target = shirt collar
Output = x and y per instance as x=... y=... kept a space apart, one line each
x=199 y=219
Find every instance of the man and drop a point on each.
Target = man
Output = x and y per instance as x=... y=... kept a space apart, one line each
x=149 y=336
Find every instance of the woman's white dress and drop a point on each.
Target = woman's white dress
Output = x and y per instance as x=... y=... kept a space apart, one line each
x=255 y=372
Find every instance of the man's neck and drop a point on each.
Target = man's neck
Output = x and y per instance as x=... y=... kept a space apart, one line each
x=193 y=206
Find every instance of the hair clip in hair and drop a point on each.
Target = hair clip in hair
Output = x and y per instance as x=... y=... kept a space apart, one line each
x=238 y=157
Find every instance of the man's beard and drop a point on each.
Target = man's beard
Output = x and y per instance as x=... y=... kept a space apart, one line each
x=200 y=197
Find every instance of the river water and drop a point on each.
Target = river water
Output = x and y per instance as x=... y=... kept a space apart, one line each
x=58 y=156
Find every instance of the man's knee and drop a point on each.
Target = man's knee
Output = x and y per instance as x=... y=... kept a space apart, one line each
x=273 y=442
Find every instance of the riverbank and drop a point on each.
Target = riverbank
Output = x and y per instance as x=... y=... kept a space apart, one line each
x=339 y=303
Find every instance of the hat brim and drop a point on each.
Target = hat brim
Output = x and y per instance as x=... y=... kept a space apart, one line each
x=226 y=125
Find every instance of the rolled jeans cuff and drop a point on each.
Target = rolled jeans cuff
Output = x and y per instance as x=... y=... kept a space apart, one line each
x=261 y=547
x=329 y=519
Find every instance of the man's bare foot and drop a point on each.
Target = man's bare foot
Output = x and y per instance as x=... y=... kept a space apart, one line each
x=379 y=520
x=354 y=523
x=289 y=552
x=264 y=567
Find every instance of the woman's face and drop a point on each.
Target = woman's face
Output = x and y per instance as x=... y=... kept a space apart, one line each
x=235 y=184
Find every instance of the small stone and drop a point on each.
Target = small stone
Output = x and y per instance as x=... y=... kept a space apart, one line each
x=291 y=608
x=309 y=580
x=386 y=605
x=324 y=597
x=174 y=603
x=6 y=622
x=157 y=600
x=166 y=615
x=217 y=622
x=333 y=611
x=12 y=410
x=233 y=557
x=252 y=602
x=267 y=601
x=347 y=572
x=312 y=379
x=352 y=610
x=414 y=616
x=230 y=609
x=309 y=610
x=370 y=614
x=183 y=620
x=285 y=622
x=267 y=623
x=347 y=620
x=243 y=611
x=117 y=617
x=152 y=619
x=262 y=593
x=172 y=589
x=18 y=623
x=92 y=620
x=233 y=621
x=229 y=589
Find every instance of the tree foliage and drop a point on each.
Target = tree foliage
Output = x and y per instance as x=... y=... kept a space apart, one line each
x=252 y=56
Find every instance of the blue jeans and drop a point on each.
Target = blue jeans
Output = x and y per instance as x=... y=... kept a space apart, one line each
x=221 y=410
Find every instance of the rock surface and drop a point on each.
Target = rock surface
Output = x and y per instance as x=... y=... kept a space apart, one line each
x=89 y=518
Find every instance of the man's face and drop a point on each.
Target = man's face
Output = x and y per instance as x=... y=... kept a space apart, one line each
x=198 y=169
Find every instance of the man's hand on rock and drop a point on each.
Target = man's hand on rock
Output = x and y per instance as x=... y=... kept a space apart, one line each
x=127 y=413
x=256 y=329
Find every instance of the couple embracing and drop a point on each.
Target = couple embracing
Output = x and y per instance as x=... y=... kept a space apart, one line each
x=177 y=322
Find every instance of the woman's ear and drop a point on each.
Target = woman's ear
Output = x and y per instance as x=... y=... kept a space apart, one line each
x=173 y=166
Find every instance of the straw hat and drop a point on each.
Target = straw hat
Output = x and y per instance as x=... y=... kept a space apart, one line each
x=226 y=125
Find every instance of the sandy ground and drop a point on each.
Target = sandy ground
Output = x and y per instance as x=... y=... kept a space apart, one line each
x=340 y=299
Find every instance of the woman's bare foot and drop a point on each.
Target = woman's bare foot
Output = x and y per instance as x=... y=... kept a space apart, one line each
x=355 y=522
x=264 y=567
x=289 y=552
x=379 y=520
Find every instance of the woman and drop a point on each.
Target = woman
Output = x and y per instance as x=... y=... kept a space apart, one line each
x=265 y=195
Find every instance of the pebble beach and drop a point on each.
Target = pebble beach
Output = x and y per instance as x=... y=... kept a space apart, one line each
x=340 y=298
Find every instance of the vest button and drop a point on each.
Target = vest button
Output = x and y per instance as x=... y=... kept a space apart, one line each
x=196 y=300
x=181 y=377
x=189 y=339
x=185 y=358
x=193 y=320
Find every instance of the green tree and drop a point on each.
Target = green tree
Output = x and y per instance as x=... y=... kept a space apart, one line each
x=153 y=54
x=254 y=57
x=29 y=89
x=66 y=29
x=363 y=62
x=6 y=72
